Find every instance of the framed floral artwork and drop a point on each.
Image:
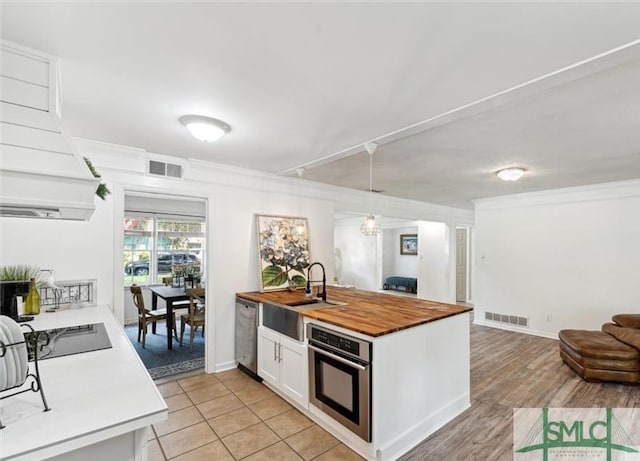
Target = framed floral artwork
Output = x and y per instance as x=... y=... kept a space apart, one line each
x=283 y=251
x=409 y=244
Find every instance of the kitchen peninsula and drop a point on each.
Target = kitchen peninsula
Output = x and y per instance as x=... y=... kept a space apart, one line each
x=414 y=380
x=101 y=401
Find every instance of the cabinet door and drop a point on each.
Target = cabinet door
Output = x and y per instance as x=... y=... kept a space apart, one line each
x=294 y=375
x=268 y=350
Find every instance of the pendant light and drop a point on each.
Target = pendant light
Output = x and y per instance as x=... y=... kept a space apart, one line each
x=370 y=226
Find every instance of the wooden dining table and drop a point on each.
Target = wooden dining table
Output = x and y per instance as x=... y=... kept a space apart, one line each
x=170 y=295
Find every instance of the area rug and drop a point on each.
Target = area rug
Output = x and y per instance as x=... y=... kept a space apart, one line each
x=161 y=362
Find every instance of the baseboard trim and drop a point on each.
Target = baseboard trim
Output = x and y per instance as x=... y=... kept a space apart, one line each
x=420 y=431
x=224 y=366
x=527 y=331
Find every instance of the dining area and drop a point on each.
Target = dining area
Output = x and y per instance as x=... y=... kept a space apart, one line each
x=168 y=333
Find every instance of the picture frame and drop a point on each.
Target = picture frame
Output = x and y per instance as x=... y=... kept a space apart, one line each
x=283 y=251
x=409 y=244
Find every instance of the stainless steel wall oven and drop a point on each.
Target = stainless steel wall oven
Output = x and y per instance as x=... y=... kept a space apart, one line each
x=340 y=378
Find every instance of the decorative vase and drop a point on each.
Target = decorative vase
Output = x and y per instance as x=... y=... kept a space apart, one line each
x=177 y=281
x=32 y=304
x=189 y=282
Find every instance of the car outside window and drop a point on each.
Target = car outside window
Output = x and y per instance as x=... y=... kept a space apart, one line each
x=153 y=246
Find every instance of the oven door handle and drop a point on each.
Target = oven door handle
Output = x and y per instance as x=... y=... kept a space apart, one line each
x=338 y=358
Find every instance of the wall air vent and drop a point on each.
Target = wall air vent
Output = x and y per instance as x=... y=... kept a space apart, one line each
x=165 y=169
x=510 y=319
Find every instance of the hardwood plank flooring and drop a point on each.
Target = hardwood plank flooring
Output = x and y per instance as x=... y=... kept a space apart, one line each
x=513 y=370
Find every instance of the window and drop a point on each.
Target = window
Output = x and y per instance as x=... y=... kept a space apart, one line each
x=153 y=245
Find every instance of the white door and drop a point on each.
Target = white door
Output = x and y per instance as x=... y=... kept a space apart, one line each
x=294 y=375
x=268 y=366
x=461 y=265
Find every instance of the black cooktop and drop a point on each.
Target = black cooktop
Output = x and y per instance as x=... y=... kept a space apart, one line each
x=72 y=340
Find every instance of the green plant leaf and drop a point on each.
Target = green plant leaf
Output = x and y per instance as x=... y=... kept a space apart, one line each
x=102 y=190
x=273 y=276
x=18 y=272
x=299 y=280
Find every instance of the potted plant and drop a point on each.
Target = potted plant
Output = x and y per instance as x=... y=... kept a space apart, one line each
x=14 y=281
x=178 y=271
x=192 y=276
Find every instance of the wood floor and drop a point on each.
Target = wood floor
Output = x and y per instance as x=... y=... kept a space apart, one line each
x=513 y=370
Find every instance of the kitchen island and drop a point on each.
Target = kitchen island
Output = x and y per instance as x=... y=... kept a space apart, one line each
x=101 y=401
x=418 y=373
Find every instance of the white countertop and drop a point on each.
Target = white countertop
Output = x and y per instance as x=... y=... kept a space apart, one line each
x=93 y=396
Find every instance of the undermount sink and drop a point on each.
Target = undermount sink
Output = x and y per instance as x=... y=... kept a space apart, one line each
x=302 y=302
x=333 y=303
x=306 y=302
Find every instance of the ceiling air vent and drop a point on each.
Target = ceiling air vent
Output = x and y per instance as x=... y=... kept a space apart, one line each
x=165 y=169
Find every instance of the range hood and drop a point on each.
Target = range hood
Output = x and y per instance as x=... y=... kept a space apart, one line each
x=42 y=174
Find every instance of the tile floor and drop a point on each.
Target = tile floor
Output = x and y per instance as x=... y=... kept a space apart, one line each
x=229 y=416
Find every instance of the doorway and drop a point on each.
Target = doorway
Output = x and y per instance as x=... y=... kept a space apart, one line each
x=366 y=262
x=164 y=243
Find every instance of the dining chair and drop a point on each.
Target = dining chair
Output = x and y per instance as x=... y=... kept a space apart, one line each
x=145 y=316
x=195 y=316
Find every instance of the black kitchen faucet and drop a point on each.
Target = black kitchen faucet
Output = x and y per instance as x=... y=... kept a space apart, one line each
x=322 y=295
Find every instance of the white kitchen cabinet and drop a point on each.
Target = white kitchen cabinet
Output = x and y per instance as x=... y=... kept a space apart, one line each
x=268 y=365
x=282 y=363
x=294 y=375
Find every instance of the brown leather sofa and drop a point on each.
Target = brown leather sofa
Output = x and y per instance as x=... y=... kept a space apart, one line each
x=612 y=354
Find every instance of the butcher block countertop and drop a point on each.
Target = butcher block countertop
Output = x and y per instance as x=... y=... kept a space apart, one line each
x=367 y=312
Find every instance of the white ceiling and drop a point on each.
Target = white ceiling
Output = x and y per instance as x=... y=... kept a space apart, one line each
x=450 y=91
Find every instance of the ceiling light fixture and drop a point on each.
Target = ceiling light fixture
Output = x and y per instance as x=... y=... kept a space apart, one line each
x=206 y=129
x=370 y=226
x=510 y=174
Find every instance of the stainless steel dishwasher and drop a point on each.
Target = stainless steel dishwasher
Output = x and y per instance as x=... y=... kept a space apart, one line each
x=247 y=336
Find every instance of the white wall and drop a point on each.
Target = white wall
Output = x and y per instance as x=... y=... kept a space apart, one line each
x=393 y=263
x=73 y=249
x=93 y=249
x=572 y=254
x=432 y=266
x=435 y=263
x=232 y=259
x=357 y=256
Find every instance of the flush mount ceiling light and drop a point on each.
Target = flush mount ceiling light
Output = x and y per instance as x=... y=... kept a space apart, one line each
x=510 y=174
x=206 y=129
x=370 y=226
